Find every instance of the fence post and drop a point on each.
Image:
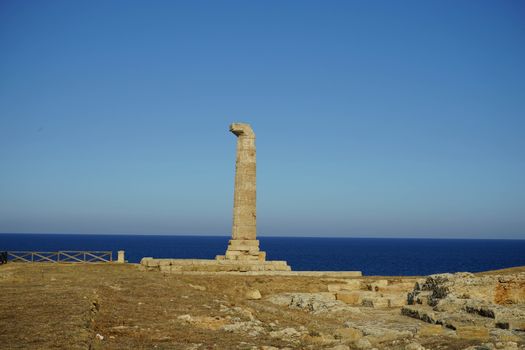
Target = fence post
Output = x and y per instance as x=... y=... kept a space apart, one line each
x=120 y=257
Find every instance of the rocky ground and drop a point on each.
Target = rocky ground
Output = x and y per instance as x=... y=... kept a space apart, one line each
x=111 y=306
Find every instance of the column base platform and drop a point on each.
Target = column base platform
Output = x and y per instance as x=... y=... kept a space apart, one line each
x=209 y=265
x=243 y=250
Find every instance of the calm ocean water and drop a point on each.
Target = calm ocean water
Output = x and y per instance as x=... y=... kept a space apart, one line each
x=373 y=256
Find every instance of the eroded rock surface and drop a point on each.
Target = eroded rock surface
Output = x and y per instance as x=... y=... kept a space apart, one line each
x=316 y=303
x=476 y=307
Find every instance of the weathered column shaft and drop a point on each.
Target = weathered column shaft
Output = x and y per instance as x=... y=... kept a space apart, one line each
x=243 y=249
x=244 y=200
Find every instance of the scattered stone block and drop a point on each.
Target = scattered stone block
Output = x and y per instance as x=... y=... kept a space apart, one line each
x=253 y=294
x=376 y=302
x=350 y=298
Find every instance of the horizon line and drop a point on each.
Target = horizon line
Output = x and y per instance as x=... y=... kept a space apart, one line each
x=263 y=235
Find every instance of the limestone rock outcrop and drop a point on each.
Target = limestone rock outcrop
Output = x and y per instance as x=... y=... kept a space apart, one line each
x=315 y=303
x=471 y=305
x=376 y=293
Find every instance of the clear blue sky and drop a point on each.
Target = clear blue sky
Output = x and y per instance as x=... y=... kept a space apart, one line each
x=373 y=118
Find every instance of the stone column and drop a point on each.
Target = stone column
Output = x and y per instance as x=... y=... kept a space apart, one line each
x=244 y=198
x=244 y=245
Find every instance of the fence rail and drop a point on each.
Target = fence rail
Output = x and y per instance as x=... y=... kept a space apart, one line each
x=69 y=256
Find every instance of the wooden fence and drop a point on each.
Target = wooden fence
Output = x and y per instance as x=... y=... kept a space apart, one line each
x=63 y=256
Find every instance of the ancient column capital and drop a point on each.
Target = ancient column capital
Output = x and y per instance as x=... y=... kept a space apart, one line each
x=242 y=130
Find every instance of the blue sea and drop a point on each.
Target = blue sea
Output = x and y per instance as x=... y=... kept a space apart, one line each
x=373 y=256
